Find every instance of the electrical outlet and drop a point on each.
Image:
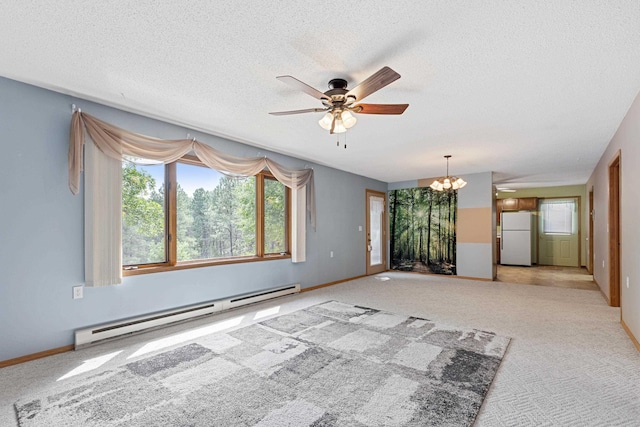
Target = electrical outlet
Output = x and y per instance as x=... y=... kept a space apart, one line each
x=359 y=228
x=627 y=282
x=331 y=254
x=77 y=292
x=602 y=263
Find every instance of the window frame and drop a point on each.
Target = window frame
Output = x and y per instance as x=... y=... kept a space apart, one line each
x=171 y=246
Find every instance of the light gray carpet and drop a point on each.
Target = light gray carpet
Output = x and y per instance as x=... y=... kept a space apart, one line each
x=332 y=364
x=569 y=362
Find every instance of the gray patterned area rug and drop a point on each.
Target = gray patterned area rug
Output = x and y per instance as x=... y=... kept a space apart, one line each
x=332 y=364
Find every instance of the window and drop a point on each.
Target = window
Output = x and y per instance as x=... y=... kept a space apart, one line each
x=214 y=218
x=143 y=214
x=216 y=215
x=558 y=216
x=275 y=222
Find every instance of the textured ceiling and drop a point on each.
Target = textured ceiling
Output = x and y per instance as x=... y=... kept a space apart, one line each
x=532 y=90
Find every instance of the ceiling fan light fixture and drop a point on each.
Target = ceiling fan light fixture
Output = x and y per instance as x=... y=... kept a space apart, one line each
x=348 y=119
x=339 y=126
x=325 y=121
x=343 y=121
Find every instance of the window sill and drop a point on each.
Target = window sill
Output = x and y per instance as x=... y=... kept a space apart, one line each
x=198 y=264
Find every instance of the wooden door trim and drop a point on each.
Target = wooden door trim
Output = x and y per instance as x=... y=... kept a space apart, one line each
x=579 y=231
x=382 y=194
x=614 y=231
x=590 y=257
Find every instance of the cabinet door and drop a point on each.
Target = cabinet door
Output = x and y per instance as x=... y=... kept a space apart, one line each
x=528 y=204
x=510 y=204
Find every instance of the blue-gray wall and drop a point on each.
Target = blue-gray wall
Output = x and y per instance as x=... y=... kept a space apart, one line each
x=41 y=230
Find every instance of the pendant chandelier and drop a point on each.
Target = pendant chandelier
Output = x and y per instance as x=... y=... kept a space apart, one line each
x=447 y=182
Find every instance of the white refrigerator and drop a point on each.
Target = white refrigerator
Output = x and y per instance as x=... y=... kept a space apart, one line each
x=515 y=239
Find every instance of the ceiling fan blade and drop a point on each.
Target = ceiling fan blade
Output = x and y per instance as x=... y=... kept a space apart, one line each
x=297 y=84
x=379 y=108
x=308 y=110
x=376 y=81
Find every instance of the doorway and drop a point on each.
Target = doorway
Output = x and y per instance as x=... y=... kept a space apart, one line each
x=614 y=232
x=376 y=241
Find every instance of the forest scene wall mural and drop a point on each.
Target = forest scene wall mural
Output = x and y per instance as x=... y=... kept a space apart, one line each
x=423 y=230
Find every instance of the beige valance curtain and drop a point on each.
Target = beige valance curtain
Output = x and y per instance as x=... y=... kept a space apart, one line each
x=120 y=144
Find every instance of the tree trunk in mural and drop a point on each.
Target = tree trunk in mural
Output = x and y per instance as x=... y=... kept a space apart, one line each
x=430 y=211
x=421 y=256
x=407 y=231
x=440 y=239
x=423 y=230
x=412 y=251
x=450 y=231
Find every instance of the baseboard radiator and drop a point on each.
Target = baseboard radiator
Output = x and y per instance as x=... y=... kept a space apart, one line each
x=90 y=336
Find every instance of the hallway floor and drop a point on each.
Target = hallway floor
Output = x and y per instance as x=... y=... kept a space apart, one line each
x=548 y=275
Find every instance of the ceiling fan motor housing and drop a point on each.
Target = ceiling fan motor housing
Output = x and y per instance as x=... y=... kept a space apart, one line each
x=337 y=84
x=337 y=91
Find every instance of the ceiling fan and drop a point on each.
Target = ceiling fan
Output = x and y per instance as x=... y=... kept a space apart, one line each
x=339 y=102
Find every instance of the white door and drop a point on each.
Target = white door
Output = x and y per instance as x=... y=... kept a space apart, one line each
x=376 y=242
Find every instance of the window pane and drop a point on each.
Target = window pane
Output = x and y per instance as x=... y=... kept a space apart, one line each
x=557 y=216
x=143 y=214
x=376 y=210
x=274 y=217
x=216 y=215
